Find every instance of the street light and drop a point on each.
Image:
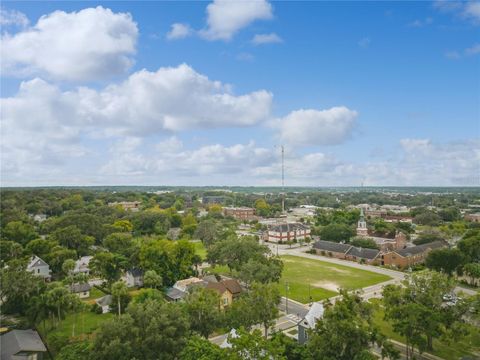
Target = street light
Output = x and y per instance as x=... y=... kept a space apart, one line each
x=286 y=297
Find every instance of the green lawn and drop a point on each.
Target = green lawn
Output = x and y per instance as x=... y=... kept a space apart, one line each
x=469 y=345
x=85 y=323
x=323 y=278
x=200 y=249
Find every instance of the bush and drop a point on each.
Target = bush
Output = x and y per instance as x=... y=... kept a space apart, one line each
x=96 y=309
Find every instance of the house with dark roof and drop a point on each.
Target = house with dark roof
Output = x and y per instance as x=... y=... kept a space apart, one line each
x=331 y=249
x=279 y=233
x=39 y=267
x=364 y=255
x=133 y=278
x=81 y=290
x=409 y=256
x=22 y=345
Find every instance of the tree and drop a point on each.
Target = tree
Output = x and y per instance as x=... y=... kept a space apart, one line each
x=198 y=348
x=123 y=225
x=59 y=298
x=74 y=351
x=262 y=208
x=450 y=214
x=264 y=271
x=148 y=331
x=364 y=243
x=120 y=243
x=68 y=266
x=345 y=331
x=428 y=237
x=18 y=286
x=9 y=250
x=206 y=231
x=337 y=233
x=203 y=309
x=234 y=252
x=470 y=247
x=251 y=345
x=473 y=271
x=120 y=295
x=72 y=238
x=264 y=300
x=417 y=310
x=57 y=257
x=40 y=247
x=19 y=232
x=152 y=280
x=427 y=218
x=109 y=266
x=445 y=260
x=382 y=228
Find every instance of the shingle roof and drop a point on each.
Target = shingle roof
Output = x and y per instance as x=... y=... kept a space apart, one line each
x=136 y=272
x=218 y=287
x=414 y=250
x=78 y=288
x=16 y=341
x=288 y=227
x=104 y=300
x=175 y=294
x=36 y=261
x=233 y=286
x=331 y=246
x=363 y=253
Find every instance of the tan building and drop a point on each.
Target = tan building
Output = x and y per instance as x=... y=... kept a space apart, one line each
x=362 y=229
x=127 y=205
x=240 y=213
x=473 y=217
x=411 y=255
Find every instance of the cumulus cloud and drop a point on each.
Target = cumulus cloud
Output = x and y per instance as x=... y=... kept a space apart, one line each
x=225 y=18
x=13 y=17
x=179 y=31
x=421 y=23
x=470 y=51
x=469 y=10
x=316 y=127
x=90 y=44
x=272 y=38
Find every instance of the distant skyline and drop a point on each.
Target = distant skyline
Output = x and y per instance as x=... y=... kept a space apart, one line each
x=204 y=93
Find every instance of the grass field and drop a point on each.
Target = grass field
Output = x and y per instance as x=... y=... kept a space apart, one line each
x=200 y=249
x=323 y=278
x=467 y=346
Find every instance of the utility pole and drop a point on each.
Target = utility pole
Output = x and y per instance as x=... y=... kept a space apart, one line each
x=283 y=179
x=286 y=297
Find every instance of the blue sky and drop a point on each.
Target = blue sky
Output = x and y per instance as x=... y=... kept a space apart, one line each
x=384 y=93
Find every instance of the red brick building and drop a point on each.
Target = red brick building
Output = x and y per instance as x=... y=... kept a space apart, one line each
x=240 y=213
x=287 y=232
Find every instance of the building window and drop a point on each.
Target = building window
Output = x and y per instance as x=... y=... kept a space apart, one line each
x=225 y=301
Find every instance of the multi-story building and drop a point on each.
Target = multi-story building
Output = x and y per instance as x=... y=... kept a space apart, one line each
x=287 y=232
x=127 y=205
x=411 y=255
x=240 y=213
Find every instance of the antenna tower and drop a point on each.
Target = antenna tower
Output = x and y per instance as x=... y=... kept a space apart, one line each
x=283 y=179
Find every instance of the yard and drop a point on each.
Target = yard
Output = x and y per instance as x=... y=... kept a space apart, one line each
x=321 y=280
x=200 y=249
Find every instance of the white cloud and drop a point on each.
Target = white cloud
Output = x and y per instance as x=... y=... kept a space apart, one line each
x=421 y=23
x=225 y=18
x=364 y=42
x=90 y=44
x=13 y=17
x=272 y=38
x=179 y=31
x=317 y=127
x=471 y=51
x=469 y=10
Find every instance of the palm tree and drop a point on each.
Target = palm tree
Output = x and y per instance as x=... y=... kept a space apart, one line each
x=119 y=289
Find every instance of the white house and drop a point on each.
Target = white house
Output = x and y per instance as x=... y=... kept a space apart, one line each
x=82 y=265
x=133 y=278
x=104 y=302
x=39 y=267
x=81 y=290
x=309 y=321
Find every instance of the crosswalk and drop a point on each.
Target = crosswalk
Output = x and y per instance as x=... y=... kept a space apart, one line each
x=293 y=317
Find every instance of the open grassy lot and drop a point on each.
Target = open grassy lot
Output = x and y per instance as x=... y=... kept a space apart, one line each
x=322 y=278
x=467 y=346
x=200 y=249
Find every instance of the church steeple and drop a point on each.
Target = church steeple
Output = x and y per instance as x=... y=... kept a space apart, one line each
x=362 y=229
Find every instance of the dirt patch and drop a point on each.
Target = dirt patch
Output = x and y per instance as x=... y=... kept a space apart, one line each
x=327 y=285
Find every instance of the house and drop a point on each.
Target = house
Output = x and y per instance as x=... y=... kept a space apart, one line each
x=104 y=302
x=309 y=321
x=180 y=289
x=386 y=244
x=279 y=233
x=369 y=256
x=472 y=217
x=40 y=217
x=81 y=290
x=226 y=297
x=127 y=205
x=82 y=265
x=233 y=286
x=39 y=267
x=240 y=213
x=409 y=256
x=332 y=249
x=133 y=278
x=22 y=345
